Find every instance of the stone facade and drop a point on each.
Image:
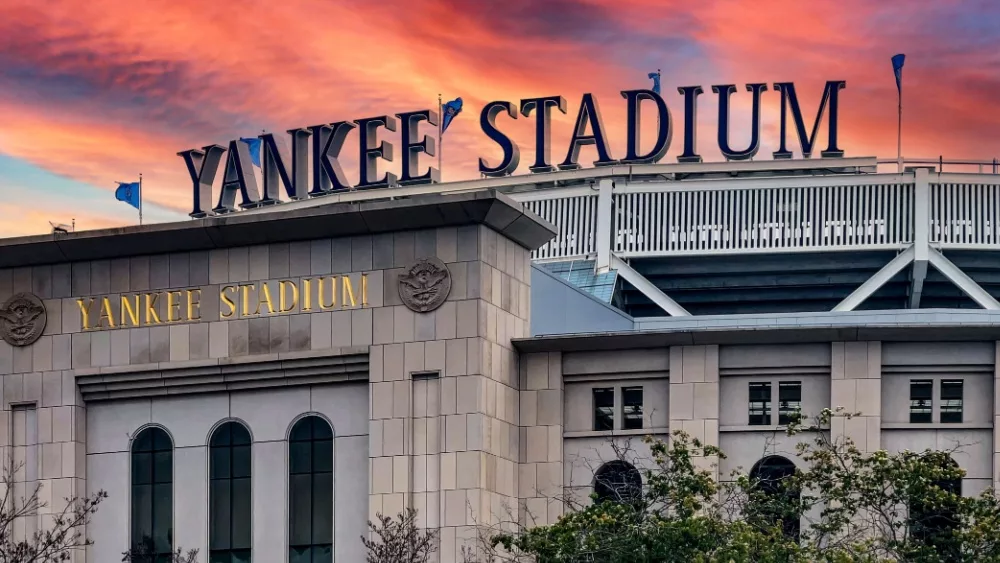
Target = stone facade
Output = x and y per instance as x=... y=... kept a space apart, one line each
x=456 y=412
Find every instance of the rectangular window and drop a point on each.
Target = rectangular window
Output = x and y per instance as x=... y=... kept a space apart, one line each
x=631 y=408
x=951 y=400
x=789 y=400
x=604 y=409
x=760 y=404
x=920 y=400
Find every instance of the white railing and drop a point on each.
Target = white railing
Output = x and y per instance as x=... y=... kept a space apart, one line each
x=576 y=218
x=965 y=215
x=805 y=218
x=784 y=214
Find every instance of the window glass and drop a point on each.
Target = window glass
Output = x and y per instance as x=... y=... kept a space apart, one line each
x=152 y=495
x=229 y=494
x=789 y=400
x=921 y=391
x=310 y=495
x=631 y=408
x=951 y=400
x=618 y=481
x=604 y=409
x=760 y=404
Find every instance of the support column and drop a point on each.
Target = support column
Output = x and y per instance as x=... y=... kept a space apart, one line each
x=856 y=385
x=921 y=235
x=694 y=396
x=540 y=428
x=996 y=418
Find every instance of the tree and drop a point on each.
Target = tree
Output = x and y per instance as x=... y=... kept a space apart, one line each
x=61 y=533
x=144 y=553
x=841 y=505
x=399 y=540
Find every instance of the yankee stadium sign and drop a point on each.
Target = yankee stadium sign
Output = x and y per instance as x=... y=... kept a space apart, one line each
x=307 y=163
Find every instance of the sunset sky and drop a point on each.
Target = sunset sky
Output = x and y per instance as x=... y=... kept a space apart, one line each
x=103 y=90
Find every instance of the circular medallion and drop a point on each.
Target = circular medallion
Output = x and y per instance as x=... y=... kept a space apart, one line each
x=425 y=285
x=22 y=319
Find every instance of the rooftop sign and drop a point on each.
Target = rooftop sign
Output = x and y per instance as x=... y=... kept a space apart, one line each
x=306 y=164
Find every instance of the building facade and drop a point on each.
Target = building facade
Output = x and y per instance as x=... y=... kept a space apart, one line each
x=258 y=385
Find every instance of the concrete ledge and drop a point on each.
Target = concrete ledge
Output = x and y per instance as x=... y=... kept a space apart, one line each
x=278 y=224
x=184 y=378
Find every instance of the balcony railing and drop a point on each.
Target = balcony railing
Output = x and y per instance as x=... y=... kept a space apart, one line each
x=655 y=217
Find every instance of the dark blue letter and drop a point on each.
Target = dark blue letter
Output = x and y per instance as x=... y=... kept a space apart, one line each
x=371 y=152
x=274 y=155
x=511 y=154
x=412 y=149
x=634 y=100
x=691 y=94
x=328 y=140
x=789 y=100
x=238 y=177
x=724 y=91
x=202 y=165
x=543 y=133
x=589 y=111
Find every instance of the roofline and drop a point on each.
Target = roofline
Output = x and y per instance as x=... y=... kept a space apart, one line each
x=860 y=332
x=330 y=218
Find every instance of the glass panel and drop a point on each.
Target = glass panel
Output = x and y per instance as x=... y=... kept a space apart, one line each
x=322 y=554
x=219 y=511
x=222 y=434
x=322 y=513
x=760 y=404
x=220 y=557
x=920 y=400
x=321 y=430
x=163 y=525
x=302 y=430
x=163 y=467
x=242 y=514
x=161 y=442
x=240 y=434
x=789 y=400
x=142 y=513
x=299 y=457
x=604 y=409
x=242 y=556
x=632 y=408
x=241 y=461
x=142 y=468
x=951 y=400
x=299 y=555
x=300 y=495
x=219 y=463
x=143 y=442
x=322 y=456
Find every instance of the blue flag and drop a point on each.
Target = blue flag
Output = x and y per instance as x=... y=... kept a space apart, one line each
x=449 y=111
x=254 y=144
x=129 y=193
x=897 y=69
x=656 y=81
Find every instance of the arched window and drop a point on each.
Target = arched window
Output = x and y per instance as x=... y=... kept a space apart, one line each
x=933 y=526
x=229 y=494
x=777 y=504
x=152 y=496
x=310 y=463
x=618 y=481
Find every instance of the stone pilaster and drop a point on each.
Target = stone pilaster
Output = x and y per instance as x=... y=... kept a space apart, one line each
x=540 y=472
x=694 y=395
x=856 y=385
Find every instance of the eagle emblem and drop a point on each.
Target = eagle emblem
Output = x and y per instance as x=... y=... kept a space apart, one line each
x=425 y=285
x=22 y=319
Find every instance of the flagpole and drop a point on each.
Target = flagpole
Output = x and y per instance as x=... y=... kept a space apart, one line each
x=899 y=134
x=440 y=139
x=140 y=199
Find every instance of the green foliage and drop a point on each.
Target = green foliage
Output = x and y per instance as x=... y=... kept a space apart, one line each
x=853 y=507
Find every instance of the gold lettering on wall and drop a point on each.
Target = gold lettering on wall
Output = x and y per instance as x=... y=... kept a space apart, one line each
x=173 y=306
x=282 y=302
x=236 y=300
x=128 y=312
x=306 y=295
x=84 y=312
x=333 y=294
x=106 y=314
x=193 y=305
x=265 y=298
